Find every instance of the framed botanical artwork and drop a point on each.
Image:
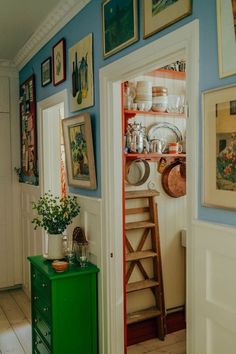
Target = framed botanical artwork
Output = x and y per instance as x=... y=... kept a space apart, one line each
x=159 y=14
x=219 y=147
x=226 y=31
x=46 y=72
x=119 y=25
x=28 y=171
x=59 y=62
x=81 y=74
x=78 y=142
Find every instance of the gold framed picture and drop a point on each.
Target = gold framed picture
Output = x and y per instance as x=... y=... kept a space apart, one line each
x=219 y=148
x=119 y=25
x=79 y=151
x=159 y=14
x=226 y=33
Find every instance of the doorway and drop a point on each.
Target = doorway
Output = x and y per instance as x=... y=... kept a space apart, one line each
x=52 y=157
x=155 y=54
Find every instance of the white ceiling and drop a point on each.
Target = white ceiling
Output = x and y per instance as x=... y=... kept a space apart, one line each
x=19 y=19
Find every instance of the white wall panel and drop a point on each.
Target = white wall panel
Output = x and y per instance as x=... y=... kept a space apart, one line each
x=215 y=288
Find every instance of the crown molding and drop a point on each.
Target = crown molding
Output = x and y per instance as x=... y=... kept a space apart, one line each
x=58 y=18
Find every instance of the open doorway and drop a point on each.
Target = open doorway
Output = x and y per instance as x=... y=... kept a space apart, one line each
x=154 y=212
x=157 y=54
x=52 y=154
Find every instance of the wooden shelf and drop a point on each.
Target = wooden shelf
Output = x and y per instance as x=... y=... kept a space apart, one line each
x=151 y=156
x=134 y=256
x=139 y=225
x=142 y=315
x=132 y=113
x=168 y=74
x=141 y=194
x=141 y=285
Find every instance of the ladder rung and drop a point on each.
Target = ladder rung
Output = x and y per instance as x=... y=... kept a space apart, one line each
x=139 y=225
x=142 y=315
x=141 y=194
x=140 y=210
x=141 y=285
x=133 y=256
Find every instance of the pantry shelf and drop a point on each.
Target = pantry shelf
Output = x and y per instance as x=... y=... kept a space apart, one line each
x=132 y=113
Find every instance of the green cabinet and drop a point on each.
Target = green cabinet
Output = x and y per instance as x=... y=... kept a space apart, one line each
x=64 y=308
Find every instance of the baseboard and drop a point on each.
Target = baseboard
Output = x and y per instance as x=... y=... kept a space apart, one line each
x=142 y=331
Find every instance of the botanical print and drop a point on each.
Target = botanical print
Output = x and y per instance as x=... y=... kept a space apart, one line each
x=160 y=5
x=234 y=14
x=78 y=151
x=59 y=62
x=225 y=148
x=81 y=73
x=118 y=23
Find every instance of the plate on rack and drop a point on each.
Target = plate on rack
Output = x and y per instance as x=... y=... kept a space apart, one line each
x=165 y=131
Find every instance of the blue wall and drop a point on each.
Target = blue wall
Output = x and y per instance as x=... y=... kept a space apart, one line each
x=89 y=20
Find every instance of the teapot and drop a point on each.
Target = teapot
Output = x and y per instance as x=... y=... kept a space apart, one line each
x=157 y=145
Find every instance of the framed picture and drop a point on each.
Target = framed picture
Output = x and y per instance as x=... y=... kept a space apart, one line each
x=46 y=72
x=28 y=170
x=219 y=148
x=226 y=31
x=59 y=62
x=79 y=151
x=158 y=14
x=81 y=74
x=119 y=25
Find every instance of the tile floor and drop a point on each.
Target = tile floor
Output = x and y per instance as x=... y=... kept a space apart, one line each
x=15 y=330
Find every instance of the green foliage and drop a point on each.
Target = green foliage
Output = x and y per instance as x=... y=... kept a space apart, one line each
x=54 y=213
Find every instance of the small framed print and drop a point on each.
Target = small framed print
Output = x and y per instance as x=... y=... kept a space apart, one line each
x=59 y=62
x=46 y=72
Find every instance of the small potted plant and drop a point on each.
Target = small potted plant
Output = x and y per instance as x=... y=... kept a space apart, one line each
x=54 y=215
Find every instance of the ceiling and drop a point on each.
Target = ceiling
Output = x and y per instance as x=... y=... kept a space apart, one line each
x=19 y=19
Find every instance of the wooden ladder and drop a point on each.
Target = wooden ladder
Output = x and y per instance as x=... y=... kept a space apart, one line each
x=135 y=257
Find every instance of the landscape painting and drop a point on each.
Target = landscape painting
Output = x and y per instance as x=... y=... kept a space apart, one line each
x=119 y=25
x=160 y=5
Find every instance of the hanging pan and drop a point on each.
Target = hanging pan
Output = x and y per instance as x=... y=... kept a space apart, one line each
x=137 y=172
x=174 y=179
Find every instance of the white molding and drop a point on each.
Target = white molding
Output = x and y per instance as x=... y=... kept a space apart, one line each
x=156 y=54
x=53 y=23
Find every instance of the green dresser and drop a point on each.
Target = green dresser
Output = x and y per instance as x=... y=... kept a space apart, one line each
x=64 y=308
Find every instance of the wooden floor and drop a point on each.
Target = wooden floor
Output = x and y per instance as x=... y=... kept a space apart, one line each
x=15 y=330
x=15 y=326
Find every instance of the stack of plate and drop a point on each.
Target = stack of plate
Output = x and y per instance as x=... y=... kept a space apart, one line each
x=144 y=94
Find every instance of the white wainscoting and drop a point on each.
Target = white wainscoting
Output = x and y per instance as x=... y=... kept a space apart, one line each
x=32 y=240
x=215 y=288
x=90 y=220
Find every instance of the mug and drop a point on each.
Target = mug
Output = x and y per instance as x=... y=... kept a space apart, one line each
x=175 y=148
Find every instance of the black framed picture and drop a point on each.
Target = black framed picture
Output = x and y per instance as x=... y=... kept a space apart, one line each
x=46 y=71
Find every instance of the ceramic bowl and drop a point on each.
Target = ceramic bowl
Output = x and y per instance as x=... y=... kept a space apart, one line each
x=60 y=266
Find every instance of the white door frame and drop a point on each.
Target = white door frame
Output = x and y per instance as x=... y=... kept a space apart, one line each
x=41 y=106
x=156 y=54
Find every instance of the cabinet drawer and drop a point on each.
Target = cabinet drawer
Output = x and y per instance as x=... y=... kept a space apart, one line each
x=42 y=327
x=41 y=282
x=43 y=306
x=39 y=345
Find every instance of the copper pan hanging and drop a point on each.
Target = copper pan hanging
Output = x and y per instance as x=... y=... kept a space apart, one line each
x=174 y=179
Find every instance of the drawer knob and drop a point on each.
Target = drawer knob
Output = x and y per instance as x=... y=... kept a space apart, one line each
x=44 y=285
x=38 y=342
x=45 y=309
x=36 y=297
x=34 y=275
x=36 y=320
